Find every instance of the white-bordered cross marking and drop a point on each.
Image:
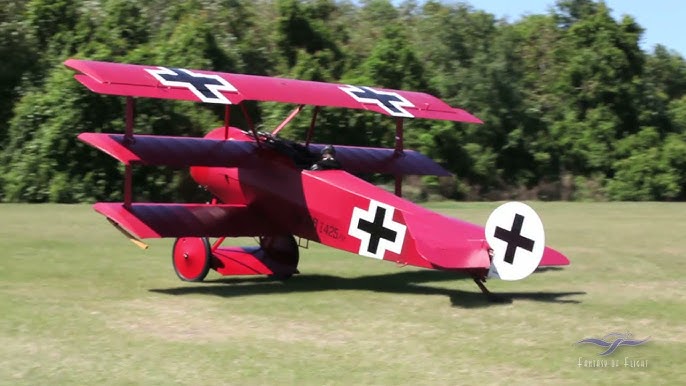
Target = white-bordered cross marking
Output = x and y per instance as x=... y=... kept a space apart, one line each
x=207 y=87
x=376 y=230
x=392 y=102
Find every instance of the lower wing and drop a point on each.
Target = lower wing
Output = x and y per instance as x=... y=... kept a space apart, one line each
x=146 y=220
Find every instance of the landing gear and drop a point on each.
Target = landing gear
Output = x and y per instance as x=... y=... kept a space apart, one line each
x=493 y=298
x=191 y=258
x=284 y=250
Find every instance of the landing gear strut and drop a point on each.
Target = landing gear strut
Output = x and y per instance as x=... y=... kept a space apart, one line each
x=493 y=298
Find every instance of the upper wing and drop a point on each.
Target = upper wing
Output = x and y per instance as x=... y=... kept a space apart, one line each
x=225 y=88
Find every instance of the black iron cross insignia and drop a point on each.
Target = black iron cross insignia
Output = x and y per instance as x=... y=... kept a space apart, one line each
x=207 y=87
x=377 y=230
x=391 y=102
x=514 y=239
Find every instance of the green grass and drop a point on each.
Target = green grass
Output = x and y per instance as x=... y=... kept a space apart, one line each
x=82 y=306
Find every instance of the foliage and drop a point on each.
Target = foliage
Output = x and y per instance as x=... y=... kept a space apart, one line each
x=568 y=98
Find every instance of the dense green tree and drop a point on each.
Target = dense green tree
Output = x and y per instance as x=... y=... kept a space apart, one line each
x=17 y=55
x=602 y=66
x=303 y=26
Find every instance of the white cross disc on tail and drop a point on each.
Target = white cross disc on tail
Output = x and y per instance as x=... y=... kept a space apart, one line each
x=515 y=234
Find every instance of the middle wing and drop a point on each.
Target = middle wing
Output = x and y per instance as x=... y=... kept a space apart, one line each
x=383 y=160
x=189 y=151
x=172 y=151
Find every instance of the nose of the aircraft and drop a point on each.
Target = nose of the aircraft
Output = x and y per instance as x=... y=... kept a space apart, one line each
x=200 y=174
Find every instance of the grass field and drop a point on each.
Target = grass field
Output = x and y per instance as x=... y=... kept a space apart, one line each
x=82 y=306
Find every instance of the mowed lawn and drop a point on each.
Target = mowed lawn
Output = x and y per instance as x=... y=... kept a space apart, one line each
x=81 y=305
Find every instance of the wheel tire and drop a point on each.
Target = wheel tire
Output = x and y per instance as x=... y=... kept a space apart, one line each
x=283 y=249
x=191 y=258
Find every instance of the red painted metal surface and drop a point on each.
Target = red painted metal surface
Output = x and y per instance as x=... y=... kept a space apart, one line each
x=134 y=80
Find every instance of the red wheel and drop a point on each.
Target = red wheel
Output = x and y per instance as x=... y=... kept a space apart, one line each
x=191 y=258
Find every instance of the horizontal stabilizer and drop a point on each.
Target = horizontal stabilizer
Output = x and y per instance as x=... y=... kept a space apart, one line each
x=386 y=161
x=171 y=151
x=448 y=242
x=148 y=220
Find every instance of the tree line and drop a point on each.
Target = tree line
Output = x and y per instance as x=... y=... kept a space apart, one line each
x=573 y=107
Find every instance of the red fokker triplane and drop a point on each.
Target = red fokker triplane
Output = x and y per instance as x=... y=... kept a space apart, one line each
x=265 y=186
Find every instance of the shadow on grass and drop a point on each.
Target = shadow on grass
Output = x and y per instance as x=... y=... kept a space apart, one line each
x=398 y=283
x=549 y=269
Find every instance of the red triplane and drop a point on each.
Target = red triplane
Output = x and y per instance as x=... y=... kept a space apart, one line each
x=265 y=188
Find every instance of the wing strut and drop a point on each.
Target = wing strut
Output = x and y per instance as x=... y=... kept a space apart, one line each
x=227 y=118
x=128 y=138
x=312 y=122
x=399 y=153
x=289 y=118
x=251 y=125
